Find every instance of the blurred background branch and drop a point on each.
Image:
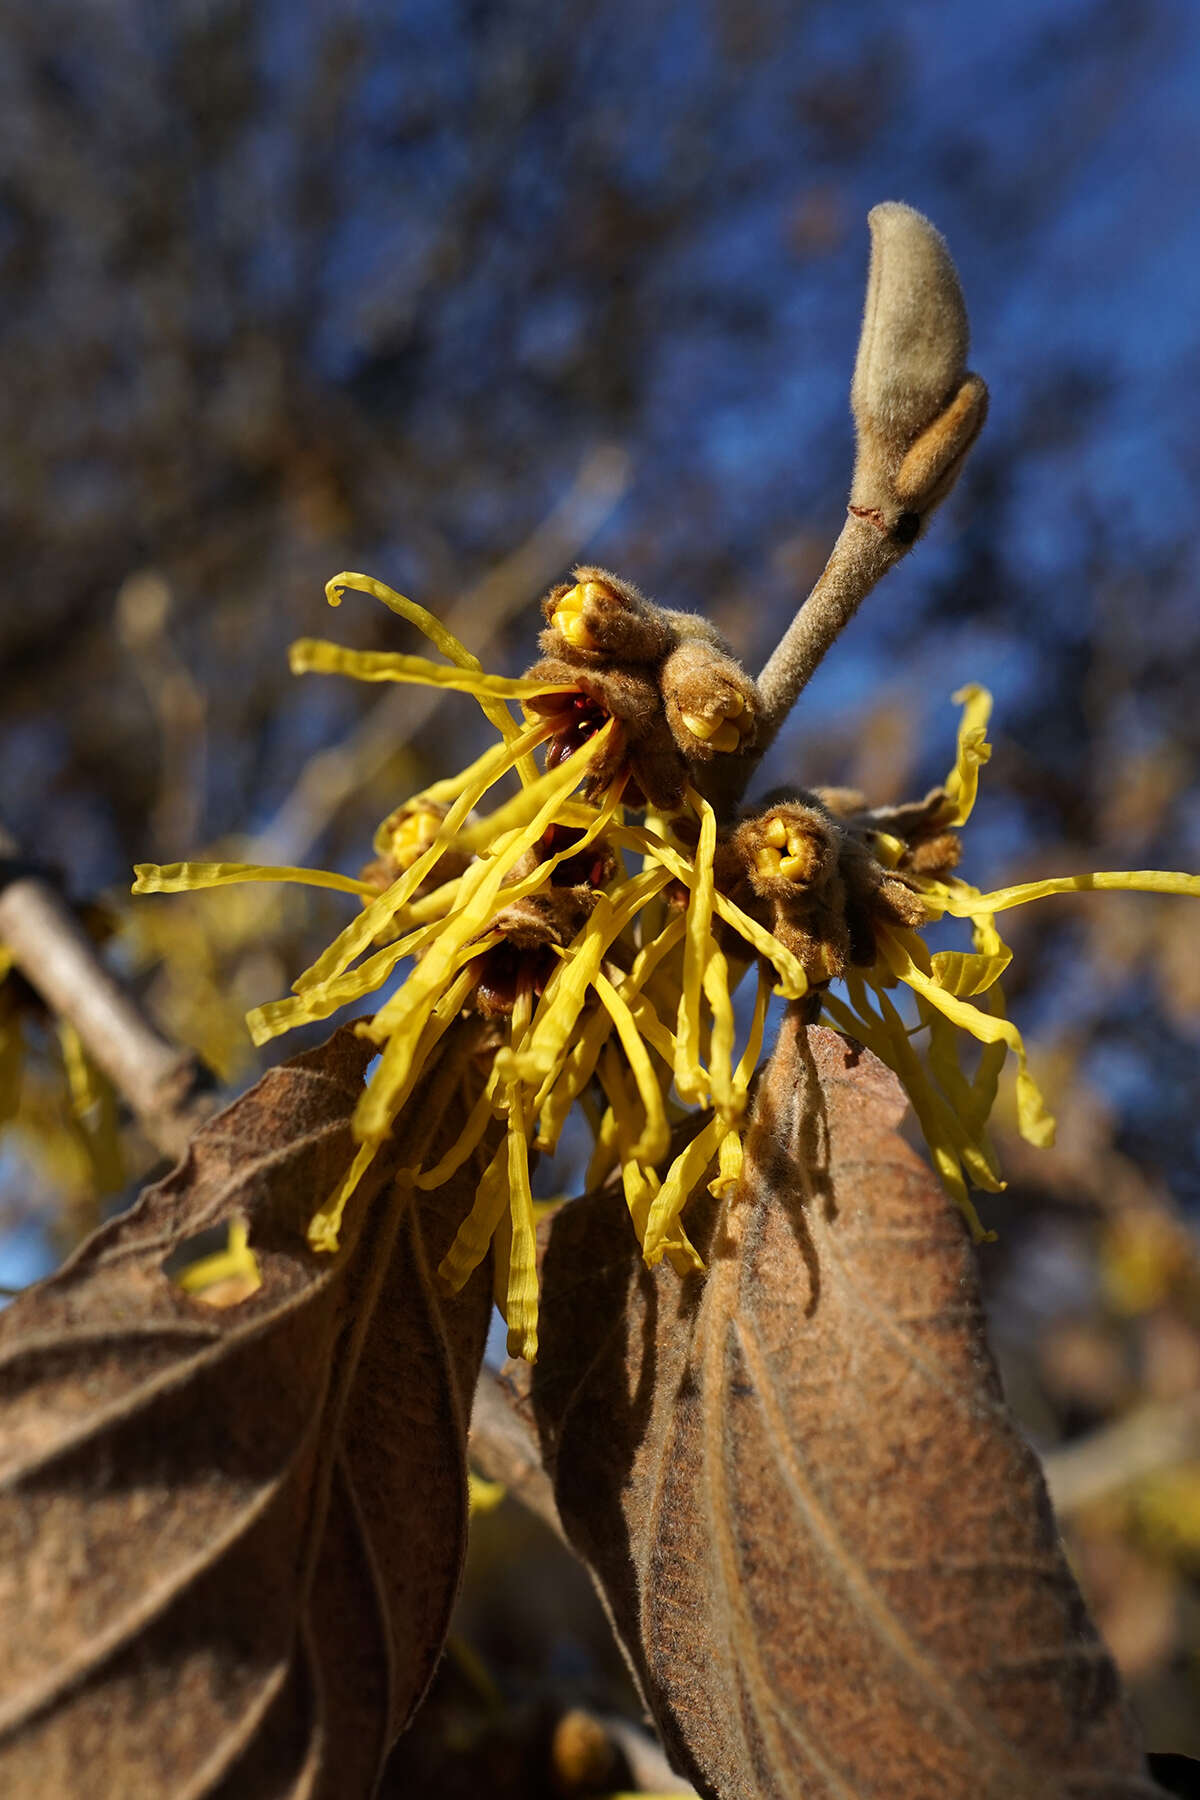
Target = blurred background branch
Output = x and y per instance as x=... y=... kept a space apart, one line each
x=167 y=1088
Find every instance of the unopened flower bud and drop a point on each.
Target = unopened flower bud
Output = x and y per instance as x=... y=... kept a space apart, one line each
x=916 y=407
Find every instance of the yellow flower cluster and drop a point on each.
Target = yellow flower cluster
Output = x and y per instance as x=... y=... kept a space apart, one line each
x=631 y=1016
x=953 y=1111
x=631 y=1026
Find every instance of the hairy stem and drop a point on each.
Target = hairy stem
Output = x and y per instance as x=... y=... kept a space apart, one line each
x=861 y=557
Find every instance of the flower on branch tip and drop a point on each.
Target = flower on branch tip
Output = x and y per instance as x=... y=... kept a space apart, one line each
x=601 y=952
x=849 y=890
x=584 y=939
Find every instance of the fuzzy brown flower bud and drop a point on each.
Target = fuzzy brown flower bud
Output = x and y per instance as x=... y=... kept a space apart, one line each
x=673 y=685
x=916 y=408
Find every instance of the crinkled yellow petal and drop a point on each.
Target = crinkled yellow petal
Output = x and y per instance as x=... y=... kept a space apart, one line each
x=480 y=887
x=970 y=1105
x=326 y=1222
x=962 y=783
x=892 y=1047
x=567 y=1081
x=640 y=1182
x=729 y=1166
x=438 y=635
x=887 y=849
x=986 y=938
x=654 y=1139
x=466 y=1144
x=502 y=1250
x=748 y=1061
x=966 y=974
x=793 y=982
x=520 y=1306
x=316 y=656
x=276 y=1016
x=967 y=903
x=654 y=948
x=563 y=1000
x=427 y=907
x=945 y=1132
x=483 y=1496
x=682 y=1254
x=404 y=608
x=237 y=1262
x=663 y=1226
x=512 y=812
x=698 y=945
x=612 y=1072
x=183 y=877
x=986 y=1082
x=375 y=917
x=481 y=1224
x=720 y=1062
x=649 y=1025
x=477 y=837
x=605 y=1151
x=406 y=1052
x=1034 y=1122
x=979 y=1098
x=641 y=1190
x=566 y=990
x=515 y=1284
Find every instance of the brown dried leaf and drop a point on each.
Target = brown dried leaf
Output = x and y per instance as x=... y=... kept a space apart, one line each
x=828 y=1552
x=230 y=1539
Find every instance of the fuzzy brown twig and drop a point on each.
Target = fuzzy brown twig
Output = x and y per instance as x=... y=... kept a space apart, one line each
x=861 y=558
x=167 y=1087
x=917 y=412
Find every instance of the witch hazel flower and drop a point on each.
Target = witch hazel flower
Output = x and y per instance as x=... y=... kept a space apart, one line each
x=596 y=922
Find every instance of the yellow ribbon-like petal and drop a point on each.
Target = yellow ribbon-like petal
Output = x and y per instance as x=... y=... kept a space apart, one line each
x=963 y=902
x=793 y=983
x=1035 y=1123
x=275 y=1016
x=697 y=945
x=397 y=1022
x=962 y=783
x=663 y=1230
x=317 y=656
x=439 y=635
x=966 y=974
x=377 y=916
x=655 y=1136
x=185 y=877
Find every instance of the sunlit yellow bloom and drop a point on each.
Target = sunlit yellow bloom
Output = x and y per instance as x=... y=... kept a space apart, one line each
x=634 y=1001
x=953 y=1110
x=603 y=954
